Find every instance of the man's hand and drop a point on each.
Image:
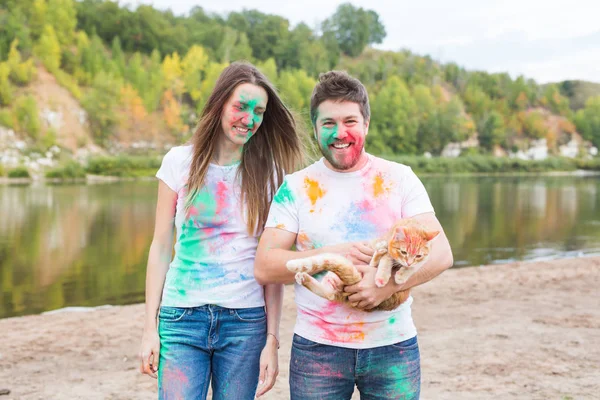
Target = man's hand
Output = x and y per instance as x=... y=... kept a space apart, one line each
x=365 y=295
x=360 y=253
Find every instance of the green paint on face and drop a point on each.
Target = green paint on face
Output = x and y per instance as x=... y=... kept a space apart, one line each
x=284 y=194
x=248 y=105
x=327 y=134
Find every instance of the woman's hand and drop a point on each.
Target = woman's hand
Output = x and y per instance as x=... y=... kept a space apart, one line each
x=150 y=352
x=269 y=366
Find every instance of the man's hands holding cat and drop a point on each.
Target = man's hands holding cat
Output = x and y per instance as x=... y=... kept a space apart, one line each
x=365 y=294
x=360 y=253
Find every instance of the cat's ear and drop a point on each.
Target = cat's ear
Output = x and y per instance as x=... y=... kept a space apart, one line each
x=400 y=232
x=430 y=235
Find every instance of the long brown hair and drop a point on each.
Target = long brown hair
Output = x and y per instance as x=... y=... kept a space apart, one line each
x=275 y=149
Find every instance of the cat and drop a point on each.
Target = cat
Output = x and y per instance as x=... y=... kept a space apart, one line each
x=405 y=246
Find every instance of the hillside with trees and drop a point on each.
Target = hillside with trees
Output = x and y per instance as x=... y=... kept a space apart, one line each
x=95 y=74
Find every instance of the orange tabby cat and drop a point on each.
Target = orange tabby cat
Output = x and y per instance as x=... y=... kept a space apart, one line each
x=405 y=246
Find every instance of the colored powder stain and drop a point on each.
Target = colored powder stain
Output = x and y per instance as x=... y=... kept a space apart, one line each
x=413 y=240
x=328 y=135
x=284 y=194
x=173 y=382
x=280 y=226
x=347 y=333
x=379 y=186
x=404 y=386
x=354 y=223
x=392 y=320
x=221 y=197
x=313 y=191
x=303 y=242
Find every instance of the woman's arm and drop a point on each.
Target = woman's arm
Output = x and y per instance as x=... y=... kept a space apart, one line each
x=269 y=363
x=159 y=258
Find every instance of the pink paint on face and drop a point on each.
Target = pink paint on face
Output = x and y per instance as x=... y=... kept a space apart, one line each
x=341 y=131
x=243 y=113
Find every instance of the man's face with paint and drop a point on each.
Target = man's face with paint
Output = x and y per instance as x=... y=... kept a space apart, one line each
x=243 y=113
x=341 y=131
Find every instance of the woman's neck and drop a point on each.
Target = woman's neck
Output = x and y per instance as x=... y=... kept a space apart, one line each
x=227 y=153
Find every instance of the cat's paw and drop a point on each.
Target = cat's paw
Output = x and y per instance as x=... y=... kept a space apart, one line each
x=381 y=281
x=298 y=265
x=400 y=278
x=381 y=247
x=301 y=278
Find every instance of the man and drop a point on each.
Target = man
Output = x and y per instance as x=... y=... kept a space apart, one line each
x=336 y=205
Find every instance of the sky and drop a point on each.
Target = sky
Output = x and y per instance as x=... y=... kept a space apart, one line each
x=547 y=40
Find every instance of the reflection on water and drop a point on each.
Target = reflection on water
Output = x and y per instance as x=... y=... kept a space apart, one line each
x=73 y=245
x=494 y=219
x=87 y=245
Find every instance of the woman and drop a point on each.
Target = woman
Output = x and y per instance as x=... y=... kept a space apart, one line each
x=212 y=325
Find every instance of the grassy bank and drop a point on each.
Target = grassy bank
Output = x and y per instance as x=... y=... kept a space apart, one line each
x=493 y=165
x=127 y=166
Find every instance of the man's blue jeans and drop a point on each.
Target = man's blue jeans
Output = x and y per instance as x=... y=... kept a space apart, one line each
x=323 y=372
x=207 y=343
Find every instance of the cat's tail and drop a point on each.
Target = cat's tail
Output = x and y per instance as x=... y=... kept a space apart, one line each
x=335 y=263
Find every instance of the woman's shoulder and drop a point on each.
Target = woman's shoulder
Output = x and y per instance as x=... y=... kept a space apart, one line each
x=178 y=155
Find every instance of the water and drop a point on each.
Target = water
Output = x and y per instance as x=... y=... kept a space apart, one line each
x=87 y=245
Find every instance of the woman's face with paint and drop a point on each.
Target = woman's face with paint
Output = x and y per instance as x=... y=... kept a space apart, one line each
x=243 y=113
x=341 y=131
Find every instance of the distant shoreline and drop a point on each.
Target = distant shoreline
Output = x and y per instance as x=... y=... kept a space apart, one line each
x=109 y=179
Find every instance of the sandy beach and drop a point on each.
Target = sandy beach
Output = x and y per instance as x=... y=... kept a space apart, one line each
x=515 y=331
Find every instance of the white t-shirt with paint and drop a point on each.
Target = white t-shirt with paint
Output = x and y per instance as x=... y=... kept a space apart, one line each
x=214 y=255
x=323 y=208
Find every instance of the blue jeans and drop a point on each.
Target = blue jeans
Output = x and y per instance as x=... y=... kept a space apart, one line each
x=208 y=344
x=323 y=372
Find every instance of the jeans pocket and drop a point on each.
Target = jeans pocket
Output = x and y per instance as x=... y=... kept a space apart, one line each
x=171 y=314
x=303 y=343
x=408 y=344
x=253 y=314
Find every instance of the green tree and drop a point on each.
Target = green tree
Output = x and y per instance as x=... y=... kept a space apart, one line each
x=269 y=68
x=394 y=123
x=21 y=73
x=26 y=111
x=13 y=25
x=38 y=17
x=491 y=130
x=62 y=15
x=48 y=49
x=587 y=120
x=118 y=57
x=101 y=102
x=193 y=65
x=6 y=92
x=265 y=32
x=354 y=28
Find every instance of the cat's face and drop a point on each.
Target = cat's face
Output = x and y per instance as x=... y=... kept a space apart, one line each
x=410 y=246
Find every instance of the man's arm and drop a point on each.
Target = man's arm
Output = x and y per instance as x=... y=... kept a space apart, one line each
x=274 y=252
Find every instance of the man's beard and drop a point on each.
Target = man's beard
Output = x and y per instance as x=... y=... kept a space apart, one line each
x=348 y=162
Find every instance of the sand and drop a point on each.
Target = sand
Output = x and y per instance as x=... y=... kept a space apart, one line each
x=515 y=331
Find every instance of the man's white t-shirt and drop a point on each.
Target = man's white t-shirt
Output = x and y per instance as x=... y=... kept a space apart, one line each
x=323 y=208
